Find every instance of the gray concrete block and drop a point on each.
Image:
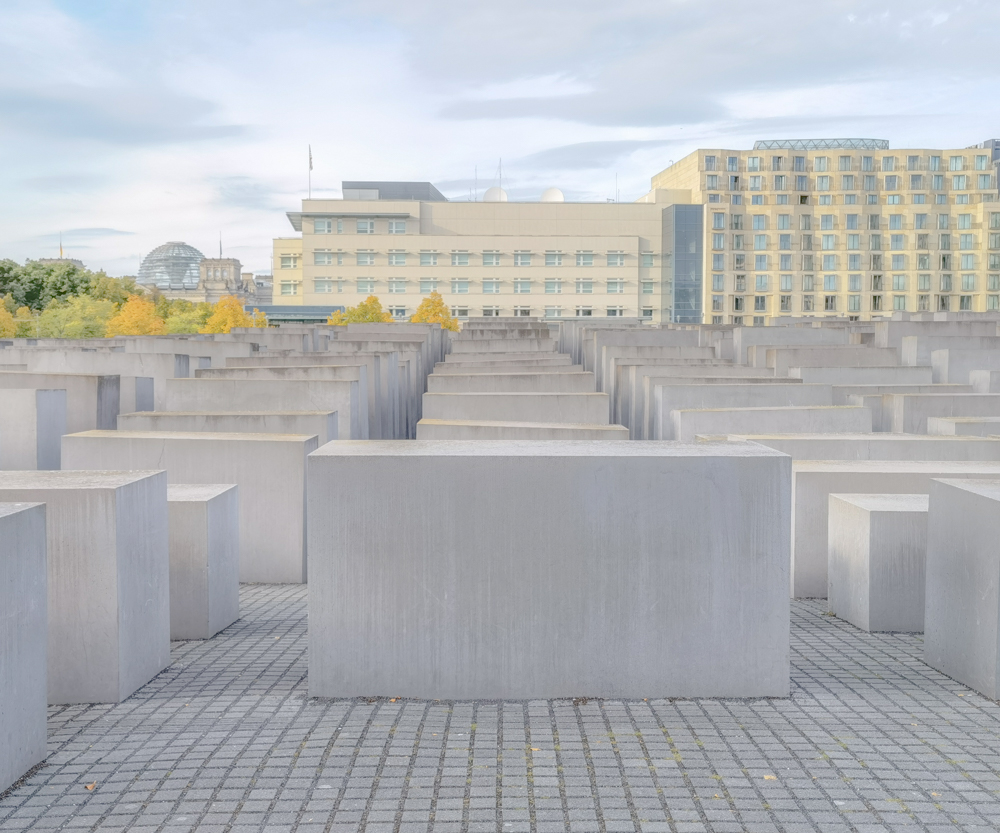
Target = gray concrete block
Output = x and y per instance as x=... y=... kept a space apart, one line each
x=963 y=426
x=321 y=423
x=687 y=424
x=985 y=381
x=424 y=584
x=92 y=400
x=591 y=408
x=268 y=468
x=521 y=381
x=23 y=639
x=452 y=429
x=911 y=410
x=877 y=446
x=204 y=559
x=962 y=627
x=890 y=375
x=108 y=578
x=877 y=557
x=32 y=423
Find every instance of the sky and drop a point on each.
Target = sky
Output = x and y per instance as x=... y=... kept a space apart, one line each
x=129 y=123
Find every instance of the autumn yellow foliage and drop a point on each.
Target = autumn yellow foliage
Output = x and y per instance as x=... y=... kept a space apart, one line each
x=432 y=310
x=7 y=325
x=367 y=312
x=136 y=317
x=229 y=313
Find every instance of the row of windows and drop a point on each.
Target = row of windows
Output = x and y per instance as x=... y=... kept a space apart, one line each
x=877 y=283
x=363 y=257
x=852 y=199
x=549 y=312
x=877 y=303
x=462 y=287
x=850 y=182
x=845 y=162
x=856 y=262
x=328 y=226
x=831 y=242
x=874 y=222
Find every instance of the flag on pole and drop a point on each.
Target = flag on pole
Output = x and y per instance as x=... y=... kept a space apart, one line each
x=310 y=157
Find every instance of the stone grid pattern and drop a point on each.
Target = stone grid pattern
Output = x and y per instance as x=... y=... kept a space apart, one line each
x=226 y=741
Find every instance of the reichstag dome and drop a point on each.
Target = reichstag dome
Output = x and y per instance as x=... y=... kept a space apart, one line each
x=171 y=266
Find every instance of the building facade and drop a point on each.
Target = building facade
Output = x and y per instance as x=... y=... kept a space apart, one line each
x=402 y=241
x=844 y=227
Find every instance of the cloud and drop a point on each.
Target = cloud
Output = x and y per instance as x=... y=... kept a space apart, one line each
x=586 y=155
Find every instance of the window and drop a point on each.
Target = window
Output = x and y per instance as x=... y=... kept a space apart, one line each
x=460 y=287
x=808 y=303
x=854 y=261
x=761 y=283
x=830 y=303
x=717 y=283
x=584 y=258
x=617 y=287
x=847 y=182
x=785 y=282
x=522 y=311
x=916 y=182
x=491 y=312
x=491 y=287
x=397 y=258
x=397 y=312
x=968 y=262
x=717 y=303
x=323 y=258
x=829 y=262
x=753 y=163
x=459 y=258
x=366 y=226
x=937 y=184
x=428 y=259
x=289 y=288
x=739 y=260
x=899 y=283
x=872 y=199
x=935 y=163
x=830 y=283
x=365 y=286
x=854 y=283
x=899 y=302
x=799 y=163
x=923 y=303
x=993 y=283
x=760 y=263
x=965 y=302
x=784 y=261
x=584 y=311
x=718 y=221
x=709 y=163
x=924 y=282
x=822 y=183
x=647 y=259
x=899 y=261
x=760 y=303
x=854 y=303
x=712 y=182
x=584 y=287
x=714 y=198
x=780 y=182
x=522 y=258
x=945 y=262
x=738 y=304
x=960 y=182
x=985 y=182
x=785 y=303
x=717 y=261
x=965 y=241
x=943 y=303
x=737 y=199
x=897 y=241
x=968 y=283
x=994 y=261
x=829 y=242
x=647 y=312
x=323 y=285
x=647 y=287
x=945 y=283
x=491 y=258
x=876 y=283
x=522 y=287
x=757 y=199
x=871 y=183
x=718 y=242
x=825 y=199
x=428 y=285
x=553 y=258
x=323 y=226
x=618 y=258
x=736 y=222
x=801 y=183
x=784 y=241
x=459 y=312
x=854 y=242
x=397 y=286
x=892 y=183
x=956 y=163
x=397 y=227
x=365 y=258
x=615 y=312
x=740 y=283
x=289 y=261
x=732 y=163
x=919 y=199
x=756 y=183
x=876 y=303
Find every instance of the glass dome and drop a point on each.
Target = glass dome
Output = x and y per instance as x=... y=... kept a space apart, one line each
x=171 y=266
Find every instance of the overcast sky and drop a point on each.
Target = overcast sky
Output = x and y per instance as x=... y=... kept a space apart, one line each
x=128 y=123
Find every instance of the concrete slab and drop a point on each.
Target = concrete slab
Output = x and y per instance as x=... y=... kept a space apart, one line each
x=92 y=400
x=204 y=559
x=450 y=429
x=512 y=382
x=23 y=639
x=806 y=419
x=963 y=426
x=108 y=578
x=875 y=446
x=32 y=423
x=877 y=559
x=321 y=423
x=268 y=468
x=911 y=410
x=592 y=592
x=591 y=408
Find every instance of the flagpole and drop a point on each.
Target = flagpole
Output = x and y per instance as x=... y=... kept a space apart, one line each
x=310 y=171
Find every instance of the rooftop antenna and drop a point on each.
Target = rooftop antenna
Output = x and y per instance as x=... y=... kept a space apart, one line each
x=310 y=171
x=220 y=245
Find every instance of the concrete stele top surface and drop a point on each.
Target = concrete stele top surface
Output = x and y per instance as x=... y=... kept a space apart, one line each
x=986 y=488
x=201 y=436
x=495 y=422
x=540 y=448
x=896 y=466
x=969 y=420
x=873 y=437
x=888 y=503
x=7 y=509
x=226 y=413
x=196 y=492
x=71 y=480
x=782 y=408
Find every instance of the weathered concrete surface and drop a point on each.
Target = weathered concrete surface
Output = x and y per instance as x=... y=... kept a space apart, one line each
x=268 y=468
x=512 y=382
x=876 y=446
x=911 y=410
x=204 y=559
x=962 y=629
x=92 y=401
x=23 y=639
x=451 y=429
x=321 y=423
x=592 y=592
x=589 y=408
x=877 y=557
x=32 y=423
x=889 y=375
x=814 y=480
x=108 y=578
x=687 y=424
x=954 y=365
x=964 y=426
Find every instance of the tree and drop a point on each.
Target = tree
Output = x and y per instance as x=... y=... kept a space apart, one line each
x=433 y=311
x=27 y=326
x=136 y=317
x=118 y=290
x=79 y=317
x=229 y=313
x=183 y=316
x=7 y=325
x=367 y=312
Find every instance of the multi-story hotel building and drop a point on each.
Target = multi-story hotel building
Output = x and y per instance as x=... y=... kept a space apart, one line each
x=791 y=228
x=844 y=227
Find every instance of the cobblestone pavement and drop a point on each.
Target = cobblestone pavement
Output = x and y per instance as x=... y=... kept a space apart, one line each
x=226 y=740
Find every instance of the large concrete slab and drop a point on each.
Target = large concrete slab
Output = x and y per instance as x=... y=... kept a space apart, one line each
x=108 y=578
x=268 y=468
x=962 y=626
x=591 y=408
x=876 y=446
x=321 y=423
x=92 y=400
x=813 y=481
x=512 y=382
x=964 y=426
x=877 y=558
x=451 y=429
x=953 y=365
x=424 y=585
x=32 y=423
x=889 y=375
x=805 y=419
x=911 y=410
x=204 y=559
x=23 y=639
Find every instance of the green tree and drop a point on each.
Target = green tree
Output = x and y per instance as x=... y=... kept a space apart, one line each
x=116 y=290
x=79 y=317
x=27 y=323
x=367 y=312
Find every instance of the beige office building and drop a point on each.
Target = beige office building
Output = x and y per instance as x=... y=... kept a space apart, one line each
x=826 y=228
x=844 y=227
